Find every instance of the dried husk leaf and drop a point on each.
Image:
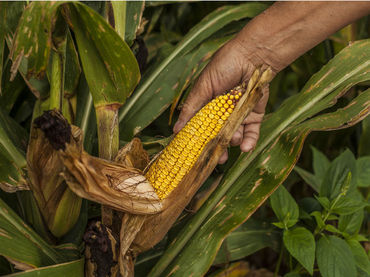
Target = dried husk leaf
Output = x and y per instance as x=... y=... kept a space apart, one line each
x=133 y=155
x=110 y=183
x=44 y=167
x=156 y=226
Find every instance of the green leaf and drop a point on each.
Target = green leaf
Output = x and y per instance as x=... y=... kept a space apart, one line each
x=256 y=175
x=309 y=178
x=7 y=143
x=246 y=240
x=10 y=90
x=279 y=225
x=128 y=18
x=109 y=65
x=324 y=201
x=320 y=164
x=85 y=114
x=351 y=223
x=348 y=205
x=284 y=206
x=209 y=25
x=363 y=171
x=301 y=245
x=332 y=229
x=334 y=257
x=361 y=258
x=119 y=12
x=21 y=244
x=70 y=269
x=134 y=15
x=359 y=237
x=309 y=204
x=13 y=139
x=337 y=173
x=14 y=12
x=33 y=37
x=72 y=68
x=10 y=175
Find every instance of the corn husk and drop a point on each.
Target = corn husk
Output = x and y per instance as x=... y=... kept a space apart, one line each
x=59 y=206
x=111 y=183
x=156 y=226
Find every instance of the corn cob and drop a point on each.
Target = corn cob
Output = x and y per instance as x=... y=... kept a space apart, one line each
x=180 y=155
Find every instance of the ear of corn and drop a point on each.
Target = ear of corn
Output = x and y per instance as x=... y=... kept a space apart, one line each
x=180 y=155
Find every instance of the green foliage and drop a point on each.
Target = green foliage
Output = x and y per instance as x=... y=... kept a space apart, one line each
x=336 y=232
x=250 y=237
x=301 y=245
x=110 y=68
x=334 y=257
x=72 y=269
x=55 y=37
x=285 y=208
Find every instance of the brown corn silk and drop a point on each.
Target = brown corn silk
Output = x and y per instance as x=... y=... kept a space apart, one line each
x=156 y=226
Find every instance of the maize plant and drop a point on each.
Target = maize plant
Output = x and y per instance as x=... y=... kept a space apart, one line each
x=88 y=186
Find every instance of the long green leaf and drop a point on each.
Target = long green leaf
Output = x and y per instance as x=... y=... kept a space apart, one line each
x=127 y=18
x=21 y=244
x=70 y=269
x=209 y=25
x=119 y=11
x=10 y=90
x=256 y=175
x=334 y=257
x=109 y=65
x=33 y=37
x=134 y=15
x=13 y=140
x=248 y=238
x=8 y=148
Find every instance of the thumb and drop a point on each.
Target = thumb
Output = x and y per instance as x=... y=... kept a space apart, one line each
x=198 y=97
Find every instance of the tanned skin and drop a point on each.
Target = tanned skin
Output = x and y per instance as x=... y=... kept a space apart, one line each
x=275 y=38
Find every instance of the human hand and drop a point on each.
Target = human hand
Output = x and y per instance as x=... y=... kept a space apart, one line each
x=230 y=66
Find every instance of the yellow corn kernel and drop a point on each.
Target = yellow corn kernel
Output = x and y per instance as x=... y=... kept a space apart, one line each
x=177 y=159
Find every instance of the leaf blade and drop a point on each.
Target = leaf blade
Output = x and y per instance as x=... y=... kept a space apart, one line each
x=301 y=245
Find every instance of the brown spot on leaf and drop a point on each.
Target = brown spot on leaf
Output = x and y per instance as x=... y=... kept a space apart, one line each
x=266 y=160
x=226 y=219
x=175 y=268
x=256 y=185
x=4 y=233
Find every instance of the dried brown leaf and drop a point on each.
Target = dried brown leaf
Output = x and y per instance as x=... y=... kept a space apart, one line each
x=110 y=183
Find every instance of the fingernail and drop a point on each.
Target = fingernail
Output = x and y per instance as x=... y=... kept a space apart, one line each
x=246 y=147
